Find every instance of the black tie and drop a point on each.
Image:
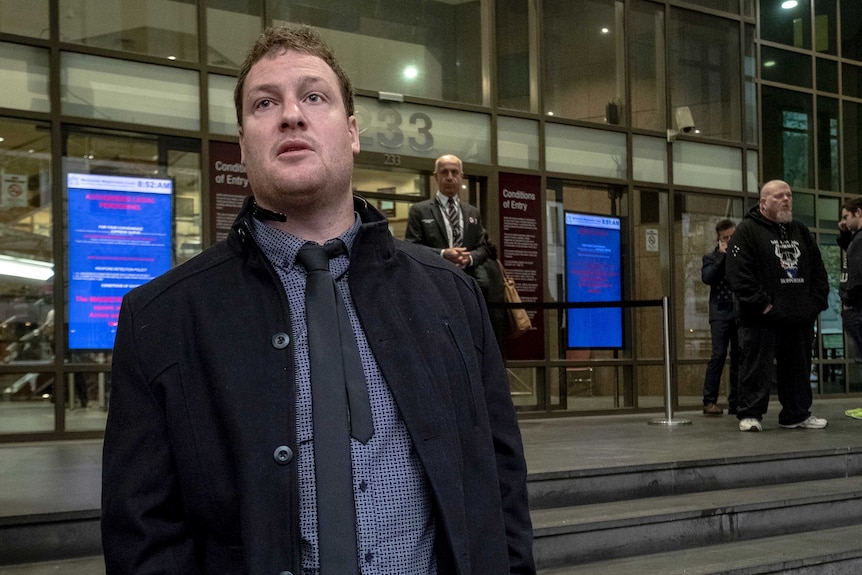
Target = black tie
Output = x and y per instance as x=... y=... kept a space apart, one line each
x=337 y=381
x=455 y=222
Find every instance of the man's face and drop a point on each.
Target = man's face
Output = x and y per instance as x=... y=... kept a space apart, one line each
x=776 y=203
x=449 y=177
x=851 y=220
x=725 y=235
x=296 y=140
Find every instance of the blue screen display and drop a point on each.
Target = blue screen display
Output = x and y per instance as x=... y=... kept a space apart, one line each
x=593 y=275
x=119 y=238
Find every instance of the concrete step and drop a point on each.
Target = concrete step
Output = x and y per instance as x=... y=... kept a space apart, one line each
x=49 y=536
x=589 y=533
x=836 y=551
x=587 y=486
x=83 y=566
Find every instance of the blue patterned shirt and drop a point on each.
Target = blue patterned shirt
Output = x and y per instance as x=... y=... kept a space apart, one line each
x=395 y=525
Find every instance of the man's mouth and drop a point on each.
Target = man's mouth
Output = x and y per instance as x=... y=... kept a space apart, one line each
x=290 y=147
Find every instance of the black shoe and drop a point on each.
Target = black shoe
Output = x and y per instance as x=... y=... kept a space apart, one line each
x=712 y=409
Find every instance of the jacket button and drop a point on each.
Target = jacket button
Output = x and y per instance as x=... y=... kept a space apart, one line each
x=280 y=340
x=283 y=455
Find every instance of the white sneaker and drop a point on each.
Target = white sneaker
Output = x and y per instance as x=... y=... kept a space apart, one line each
x=750 y=424
x=810 y=423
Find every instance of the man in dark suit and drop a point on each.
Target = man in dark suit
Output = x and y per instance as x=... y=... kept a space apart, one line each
x=210 y=446
x=447 y=225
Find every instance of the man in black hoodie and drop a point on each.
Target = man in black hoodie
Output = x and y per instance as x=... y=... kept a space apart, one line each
x=779 y=282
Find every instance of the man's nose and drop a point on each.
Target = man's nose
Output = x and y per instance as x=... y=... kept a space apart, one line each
x=292 y=115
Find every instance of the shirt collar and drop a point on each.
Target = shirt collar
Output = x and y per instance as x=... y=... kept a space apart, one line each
x=281 y=247
x=444 y=200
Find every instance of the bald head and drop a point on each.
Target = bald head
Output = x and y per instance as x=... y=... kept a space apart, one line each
x=449 y=173
x=776 y=201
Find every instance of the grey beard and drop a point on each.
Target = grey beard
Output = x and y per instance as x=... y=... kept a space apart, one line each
x=784 y=217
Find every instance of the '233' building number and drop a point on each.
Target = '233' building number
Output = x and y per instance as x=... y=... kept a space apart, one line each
x=389 y=134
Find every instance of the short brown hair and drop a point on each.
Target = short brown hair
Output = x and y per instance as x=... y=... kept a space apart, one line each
x=303 y=39
x=723 y=225
x=852 y=205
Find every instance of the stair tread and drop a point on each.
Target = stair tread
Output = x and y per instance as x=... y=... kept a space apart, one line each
x=83 y=566
x=765 y=555
x=663 y=508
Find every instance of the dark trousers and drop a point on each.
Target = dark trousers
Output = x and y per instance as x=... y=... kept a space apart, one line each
x=723 y=336
x=853 y=327
x=781 y=354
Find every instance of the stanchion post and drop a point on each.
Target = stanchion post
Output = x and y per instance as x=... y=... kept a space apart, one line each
x=668 y=420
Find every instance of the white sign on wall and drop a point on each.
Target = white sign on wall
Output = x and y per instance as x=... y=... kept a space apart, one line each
x=15 y=192
x=651 y=239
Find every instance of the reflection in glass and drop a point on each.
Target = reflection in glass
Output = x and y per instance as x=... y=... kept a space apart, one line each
x=386 y=191
x=513 y=55
x=112 y=89
x=851 y=29
x=25 y=77
x=851 y=80
x=788 y=153
x=584 y=68
x=828 y=152
x=804 y=208
x=646 y=60
x=160 y=28
x=749 y=69
x=26 y=277
x=87 y=394
x=852 y=147
x=731 y=6
x=785 y=67
x=422 y=48
x=827 y=75
x=786 y=23
x=831 y=330
x=705 y=79
x=582 y=387
x=825 y=28
x=694 y=236
x=232 y=27
x=26 y=256
x=24 y=17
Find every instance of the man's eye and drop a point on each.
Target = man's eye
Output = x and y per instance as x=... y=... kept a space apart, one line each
x=314 y=98
x=265 y=103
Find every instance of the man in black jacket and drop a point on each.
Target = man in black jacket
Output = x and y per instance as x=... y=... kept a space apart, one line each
x=777 y=275
x=209 y=464
x=850 y=288
x=722 y=323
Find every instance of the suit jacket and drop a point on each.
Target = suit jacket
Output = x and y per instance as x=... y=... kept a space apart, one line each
x=198 y=469
x=425 y=226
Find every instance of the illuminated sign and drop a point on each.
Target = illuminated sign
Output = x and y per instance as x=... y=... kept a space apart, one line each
x=593 y=275
x=119 y=238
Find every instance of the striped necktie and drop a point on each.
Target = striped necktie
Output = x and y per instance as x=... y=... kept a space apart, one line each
x=455 y=222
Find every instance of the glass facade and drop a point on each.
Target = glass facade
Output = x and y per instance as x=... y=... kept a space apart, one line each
x=663 y=115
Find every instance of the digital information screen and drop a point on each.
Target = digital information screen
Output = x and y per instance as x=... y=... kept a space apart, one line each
x=119 y=238
x=593 y=275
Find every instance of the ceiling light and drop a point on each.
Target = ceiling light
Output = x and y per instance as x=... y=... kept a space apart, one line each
x=24 y=268
x=411 y=72
x=605 y=30
x=789 y=4
x=2 y=138
x=769 y=64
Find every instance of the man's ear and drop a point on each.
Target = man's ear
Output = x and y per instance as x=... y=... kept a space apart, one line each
x=241 y=153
